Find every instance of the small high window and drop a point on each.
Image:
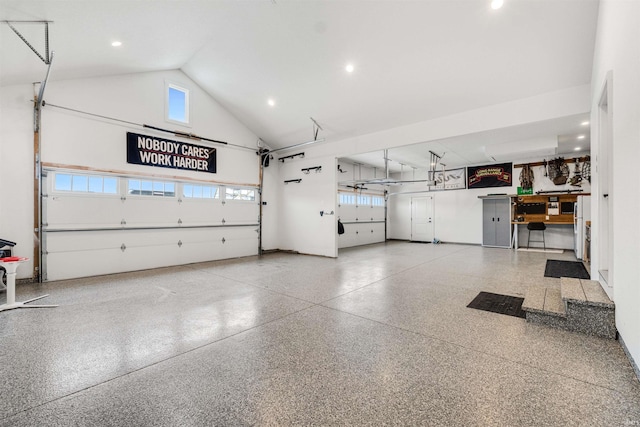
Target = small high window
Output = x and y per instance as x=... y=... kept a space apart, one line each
x=177 y=104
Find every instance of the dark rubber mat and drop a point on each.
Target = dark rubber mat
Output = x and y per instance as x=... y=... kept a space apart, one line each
x=496 y=303
x=573 y=269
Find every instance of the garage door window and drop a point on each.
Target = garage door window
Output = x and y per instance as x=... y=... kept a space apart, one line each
x=200 y=191
x=377 y=201
x=346 y=199
x=151 y=188
x=79 y=183
x=232 y=193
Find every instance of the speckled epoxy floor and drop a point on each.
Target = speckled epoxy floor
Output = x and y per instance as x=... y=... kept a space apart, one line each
x=381 y=335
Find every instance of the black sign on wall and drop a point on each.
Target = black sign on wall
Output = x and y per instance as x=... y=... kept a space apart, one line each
x=164 y=153
x=490 y=176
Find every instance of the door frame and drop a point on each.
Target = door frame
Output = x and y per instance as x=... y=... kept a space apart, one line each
x=430 y=219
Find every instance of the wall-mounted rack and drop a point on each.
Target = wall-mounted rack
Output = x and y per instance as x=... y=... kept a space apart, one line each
x=316 y=168
x=293 y=156
x=544 y=163
x=297 y=181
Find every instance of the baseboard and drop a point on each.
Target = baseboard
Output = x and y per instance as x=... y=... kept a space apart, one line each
x=633 y=362
x=549 y=251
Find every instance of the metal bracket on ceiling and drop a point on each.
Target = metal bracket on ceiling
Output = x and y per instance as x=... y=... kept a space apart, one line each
x=316 y=128
x=47 y=57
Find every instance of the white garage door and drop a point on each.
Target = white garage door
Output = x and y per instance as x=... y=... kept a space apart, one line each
x=363 y=217
x=100 y=224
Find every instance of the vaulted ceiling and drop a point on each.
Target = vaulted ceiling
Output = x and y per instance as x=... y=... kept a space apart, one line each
x=413 y=60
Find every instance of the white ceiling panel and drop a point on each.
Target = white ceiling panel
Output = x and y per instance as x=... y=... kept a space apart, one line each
x=414 y=60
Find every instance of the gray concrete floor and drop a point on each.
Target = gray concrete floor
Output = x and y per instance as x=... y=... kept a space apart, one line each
x=381 y=335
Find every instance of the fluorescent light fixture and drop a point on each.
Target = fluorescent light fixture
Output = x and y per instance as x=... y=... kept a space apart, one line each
x=496 y=4
x=271 y=102
x=349 y=68
x=585 y=123
x=581 y=136
x=116 y=44
x=577 y=149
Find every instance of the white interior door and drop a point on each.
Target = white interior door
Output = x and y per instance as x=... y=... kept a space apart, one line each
x=422 y=219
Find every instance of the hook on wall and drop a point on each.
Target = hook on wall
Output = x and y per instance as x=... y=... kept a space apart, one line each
x=282 y=159
x=316 y=168
x=297 y=181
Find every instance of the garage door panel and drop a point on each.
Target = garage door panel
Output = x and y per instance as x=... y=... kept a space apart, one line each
x=70 y=241
x=240 y=242
x=78 y=212
x=347 y=212
x=201 y=212
x=378 y=213
x=350 y=237
x=236 y=212
x=201 y=251
x=362 y=233
x=65 y=265
x=149 y=210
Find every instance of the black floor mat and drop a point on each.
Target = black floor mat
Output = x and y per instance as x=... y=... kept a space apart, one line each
x=573 y=269
x=496 y=303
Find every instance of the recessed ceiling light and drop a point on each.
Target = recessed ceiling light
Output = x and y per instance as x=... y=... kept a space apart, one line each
x=116 y=44
x=577 y=149
x=496 y=4
x=271 y=102
x=585 y=123
x=580 y=136
x=349 y=68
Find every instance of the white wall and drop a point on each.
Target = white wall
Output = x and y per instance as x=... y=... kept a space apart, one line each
x=458 y=213
x=562 y=103
x=465 y=208
x=300 y=226
x=16 y=171
x=74 y=139
x=617 y=50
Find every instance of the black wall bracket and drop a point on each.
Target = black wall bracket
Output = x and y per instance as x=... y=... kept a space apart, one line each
x=293 y=156
x=297 y=181
x=316 y=168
